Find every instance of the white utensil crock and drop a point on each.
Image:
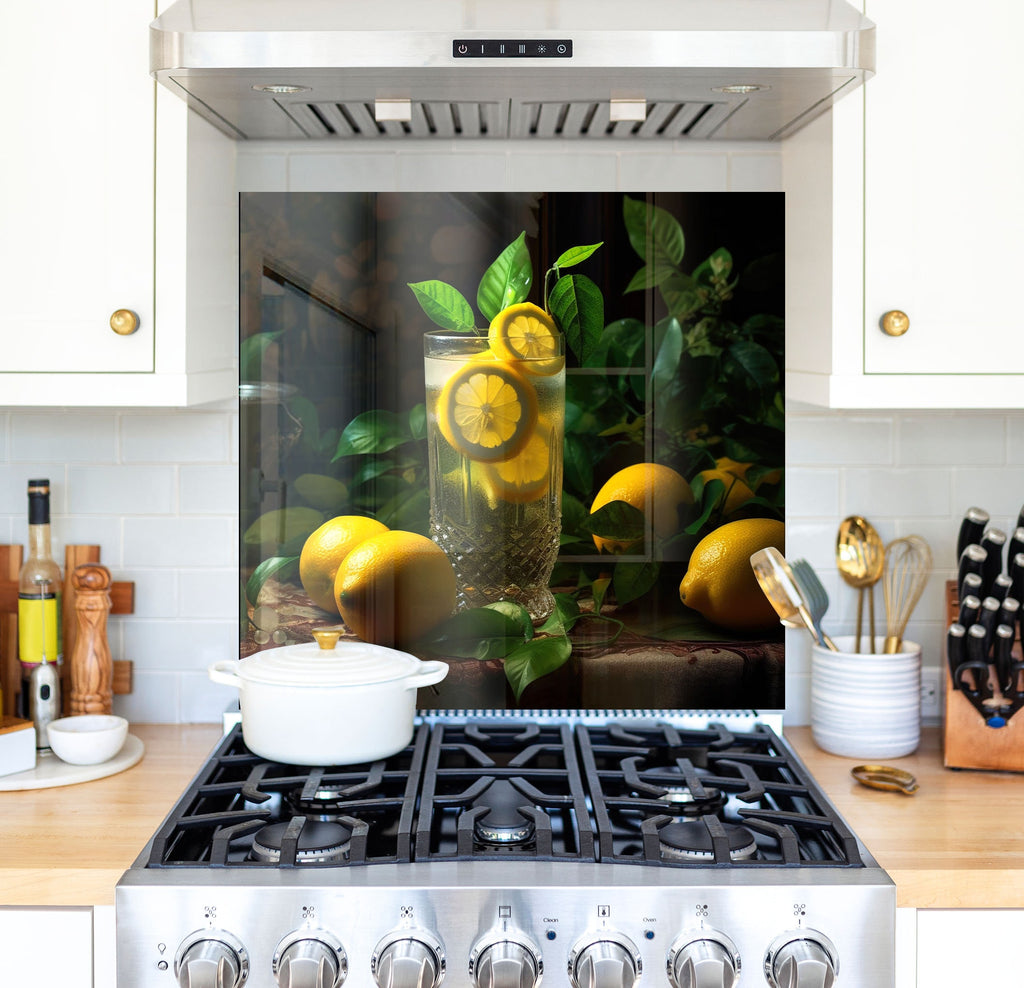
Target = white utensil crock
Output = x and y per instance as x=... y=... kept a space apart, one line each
x=303 y=705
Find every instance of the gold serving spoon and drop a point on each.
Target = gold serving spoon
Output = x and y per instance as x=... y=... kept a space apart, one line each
x=860 y=558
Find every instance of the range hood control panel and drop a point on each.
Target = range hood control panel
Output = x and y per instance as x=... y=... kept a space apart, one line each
x=512 y=48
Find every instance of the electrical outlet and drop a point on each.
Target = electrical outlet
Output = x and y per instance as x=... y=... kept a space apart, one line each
x=930 y=694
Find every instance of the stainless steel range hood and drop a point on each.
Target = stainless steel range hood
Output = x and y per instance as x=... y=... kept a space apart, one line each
x=394 y=69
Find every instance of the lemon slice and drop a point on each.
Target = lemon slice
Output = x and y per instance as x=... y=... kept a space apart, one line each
x=526 y=333
x=487 y=410
x=526 y=476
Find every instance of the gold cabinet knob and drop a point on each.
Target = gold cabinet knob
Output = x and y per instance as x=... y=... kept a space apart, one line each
x=124 y=322
x=895 y=323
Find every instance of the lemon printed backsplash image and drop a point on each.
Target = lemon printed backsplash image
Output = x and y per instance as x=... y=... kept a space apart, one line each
x=572 y=504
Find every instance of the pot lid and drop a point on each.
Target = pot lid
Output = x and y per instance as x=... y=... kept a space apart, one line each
x=347 y=664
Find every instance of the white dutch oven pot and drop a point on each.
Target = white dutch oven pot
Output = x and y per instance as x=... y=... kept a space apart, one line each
x=307 y=705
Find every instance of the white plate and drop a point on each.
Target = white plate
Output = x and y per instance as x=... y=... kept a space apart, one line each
x=50 y=771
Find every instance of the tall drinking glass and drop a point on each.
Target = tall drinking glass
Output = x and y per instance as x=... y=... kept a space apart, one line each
x=494 y=433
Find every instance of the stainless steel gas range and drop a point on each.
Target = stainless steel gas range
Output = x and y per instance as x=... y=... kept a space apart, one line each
x=500 y=852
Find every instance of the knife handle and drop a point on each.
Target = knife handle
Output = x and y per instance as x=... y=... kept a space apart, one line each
x=1009 y=612
x=971 y=586
x=972 y=560
x=956 y=651
x=973 y=524
x=988 y=618
x=977 y=663
x=1016 y=544
x=992 y=542
x=1000 y=587
x=1017 y=576
x=970 y=608
x=1002 y=659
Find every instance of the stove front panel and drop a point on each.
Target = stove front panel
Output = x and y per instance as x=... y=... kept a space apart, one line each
x=557 y=919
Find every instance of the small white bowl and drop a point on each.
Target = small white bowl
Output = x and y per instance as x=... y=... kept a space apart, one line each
x=87 y=739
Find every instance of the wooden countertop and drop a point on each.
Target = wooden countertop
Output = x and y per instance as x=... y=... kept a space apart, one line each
x=957 y=843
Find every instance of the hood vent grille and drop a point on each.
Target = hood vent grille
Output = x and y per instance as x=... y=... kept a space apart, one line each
x=574 y=119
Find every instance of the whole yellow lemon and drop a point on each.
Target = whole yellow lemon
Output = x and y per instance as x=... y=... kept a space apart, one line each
x=719 y=583
x=325 y=549
x=394 y=587
x=736 y=493
x=658 y=491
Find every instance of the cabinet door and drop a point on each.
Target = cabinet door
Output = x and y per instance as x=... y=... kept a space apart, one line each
x=47 y=948
x=76 y=186
x=944 y=154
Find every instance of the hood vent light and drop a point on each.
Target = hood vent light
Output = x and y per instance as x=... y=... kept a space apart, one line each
x=466 y=119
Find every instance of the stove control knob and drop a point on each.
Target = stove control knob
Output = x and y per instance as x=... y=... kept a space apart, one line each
x=505 y=962
x=409 y=959
x=604 y=960
x=709 y=960
x=801 y=959
x=310 y=959
x=211 y=959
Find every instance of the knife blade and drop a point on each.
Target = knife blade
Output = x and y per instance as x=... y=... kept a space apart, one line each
x=971 y=527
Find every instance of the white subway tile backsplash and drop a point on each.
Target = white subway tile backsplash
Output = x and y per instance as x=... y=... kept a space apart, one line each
x=209 y=490
x=208 y=593
x=897 y=493
x=179 y=542
x=467 y=172
x=164 y=646
x=757 y=172
x=202 y=700
x=155 y=698
x=569 y=171
x=192 y=437
x=342 y=172
x=999 y=490
x=974 y=439
x=660 y=172
x=14 y=478
x=812 y=493
x=120 y=489
x=83 y=437
x=156 y=593
x=816 y=440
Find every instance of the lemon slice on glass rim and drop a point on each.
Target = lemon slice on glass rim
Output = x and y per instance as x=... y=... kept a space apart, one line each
x=526 y=333
x=487 y=410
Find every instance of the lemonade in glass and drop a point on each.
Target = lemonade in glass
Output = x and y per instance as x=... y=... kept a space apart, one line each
x=495 y=422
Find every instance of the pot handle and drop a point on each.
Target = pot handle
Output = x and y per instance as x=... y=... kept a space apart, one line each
x=224 y=672
x=430 y=672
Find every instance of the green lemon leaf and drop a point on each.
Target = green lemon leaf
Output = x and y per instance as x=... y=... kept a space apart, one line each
x=534 y=659
x=578 y=306
x=651 y=276
x=321 y=492
x=373 y=432
x=444 y=305
x=250 y=355
x=654 y=233
x=666 y=365
x=632 y=580
x=281 y=565
x=480 y=633
x=616 y=520
x=418 y=421
x=507 y=281
x=563 y=617
x=287 y=528
x=575 y=255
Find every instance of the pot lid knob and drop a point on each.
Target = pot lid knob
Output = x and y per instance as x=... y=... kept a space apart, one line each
x=327 y=638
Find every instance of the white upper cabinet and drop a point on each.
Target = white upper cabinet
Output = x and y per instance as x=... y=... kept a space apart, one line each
x=95 y=173
x=907 y=198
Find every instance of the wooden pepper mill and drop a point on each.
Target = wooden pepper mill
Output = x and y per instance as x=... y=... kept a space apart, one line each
x=92 y=670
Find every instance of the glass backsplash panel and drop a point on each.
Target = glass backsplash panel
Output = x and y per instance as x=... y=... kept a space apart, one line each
x=595 y=433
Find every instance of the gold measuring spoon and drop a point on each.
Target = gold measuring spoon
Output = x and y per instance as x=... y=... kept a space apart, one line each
x=860 y=559
x=885 y=777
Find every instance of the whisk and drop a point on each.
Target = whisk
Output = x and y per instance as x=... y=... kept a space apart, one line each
x=908 y=562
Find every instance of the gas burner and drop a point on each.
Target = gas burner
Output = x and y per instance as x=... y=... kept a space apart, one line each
x=502 y=823
x=691 y=841
x=318 y=842
x=682 y=801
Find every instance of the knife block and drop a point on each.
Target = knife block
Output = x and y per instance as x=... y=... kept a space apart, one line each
x=967 y=741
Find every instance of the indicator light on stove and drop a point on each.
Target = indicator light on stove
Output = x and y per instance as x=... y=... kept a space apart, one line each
x=801 y=959
x=310 y=959
x=608 y=960
x=211 y=959
x=409 y=959
x=709 y=960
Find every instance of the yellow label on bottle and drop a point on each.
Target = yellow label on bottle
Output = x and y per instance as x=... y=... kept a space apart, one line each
x=39 y=631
